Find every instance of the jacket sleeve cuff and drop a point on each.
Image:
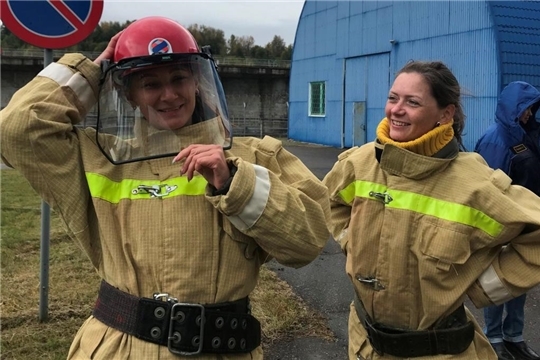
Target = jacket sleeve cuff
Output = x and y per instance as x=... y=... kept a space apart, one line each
x=225 y=188
x=240 y=192
x=478 y=297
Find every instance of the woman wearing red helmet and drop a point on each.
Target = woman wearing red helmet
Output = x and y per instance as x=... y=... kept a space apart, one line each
x=176 y=219
x=159 y=82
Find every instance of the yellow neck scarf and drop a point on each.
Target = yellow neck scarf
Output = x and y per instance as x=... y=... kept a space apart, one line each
x=428 y=144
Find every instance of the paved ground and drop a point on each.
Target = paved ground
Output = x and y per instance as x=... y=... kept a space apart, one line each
x=324 y=286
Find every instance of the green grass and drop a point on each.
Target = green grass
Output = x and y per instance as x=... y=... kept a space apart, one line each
x=73 y=285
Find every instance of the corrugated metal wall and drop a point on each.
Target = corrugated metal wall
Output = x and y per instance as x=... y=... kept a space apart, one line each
x=357 y=46
x=518 y=31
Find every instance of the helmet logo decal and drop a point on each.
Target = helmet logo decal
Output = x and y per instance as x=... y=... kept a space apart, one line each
x=159 y=46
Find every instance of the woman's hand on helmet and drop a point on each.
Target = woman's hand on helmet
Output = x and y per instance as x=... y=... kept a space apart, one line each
x=108 y=53
x=207 y=160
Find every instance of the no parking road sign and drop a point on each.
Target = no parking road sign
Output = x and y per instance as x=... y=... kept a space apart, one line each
x=51 y=24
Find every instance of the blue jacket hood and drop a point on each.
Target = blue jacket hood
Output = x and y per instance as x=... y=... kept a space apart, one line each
x=515 y=98
x=496 y=144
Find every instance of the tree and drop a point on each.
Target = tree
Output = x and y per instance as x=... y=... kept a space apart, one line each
x=97 y=41
x=10 y=41
x=100 y=37
x=259 y=52
x=206 y=35
x=276 y=47
x=240 y=46
x=287 y=53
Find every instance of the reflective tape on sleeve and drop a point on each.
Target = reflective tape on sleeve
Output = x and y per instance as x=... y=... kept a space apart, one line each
x=65 y=76
x=83 y=90
x=57 y=72
x=494 y=287
x=256 y=205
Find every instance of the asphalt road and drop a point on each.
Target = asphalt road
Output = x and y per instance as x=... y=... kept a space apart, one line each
x=324 y=285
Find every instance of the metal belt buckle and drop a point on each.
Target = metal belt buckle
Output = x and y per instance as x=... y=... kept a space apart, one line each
x=176 y=337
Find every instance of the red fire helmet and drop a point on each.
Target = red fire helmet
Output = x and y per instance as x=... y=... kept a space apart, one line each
x=154 y=35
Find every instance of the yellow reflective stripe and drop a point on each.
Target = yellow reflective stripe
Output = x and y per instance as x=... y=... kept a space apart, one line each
x=112 y=191
x=423 y=204
x=360 y=189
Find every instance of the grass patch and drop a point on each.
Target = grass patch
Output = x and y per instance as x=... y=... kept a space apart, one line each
x=73 y=285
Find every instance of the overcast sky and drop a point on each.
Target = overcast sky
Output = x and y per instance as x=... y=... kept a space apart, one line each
x=257 y=18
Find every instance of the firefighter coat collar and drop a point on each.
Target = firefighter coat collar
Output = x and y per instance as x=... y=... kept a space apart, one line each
x=401 y=162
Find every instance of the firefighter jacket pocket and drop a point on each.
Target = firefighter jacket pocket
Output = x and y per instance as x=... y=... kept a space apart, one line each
x=249 y=245
x=444 y=246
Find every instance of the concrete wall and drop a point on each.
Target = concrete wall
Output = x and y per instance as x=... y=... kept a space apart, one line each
x=257 y=105
x=13 y=78
x=257 y=97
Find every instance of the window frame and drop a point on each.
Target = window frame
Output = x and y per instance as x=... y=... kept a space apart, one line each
x=321 y=98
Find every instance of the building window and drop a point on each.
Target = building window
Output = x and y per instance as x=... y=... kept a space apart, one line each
x=317 y=98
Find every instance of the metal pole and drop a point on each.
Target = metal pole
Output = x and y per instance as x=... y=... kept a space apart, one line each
x=245 y=127
x=45 y=232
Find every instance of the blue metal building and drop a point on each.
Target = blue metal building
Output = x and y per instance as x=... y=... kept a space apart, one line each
x=347 y=52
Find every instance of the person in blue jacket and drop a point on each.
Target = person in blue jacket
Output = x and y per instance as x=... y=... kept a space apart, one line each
x=512 y=144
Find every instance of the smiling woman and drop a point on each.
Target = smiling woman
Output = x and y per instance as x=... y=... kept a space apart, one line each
x=166 y=95
x=411 y=110
x=418 y=102
x=159 y=83
x=424 y=225
x=177 y=242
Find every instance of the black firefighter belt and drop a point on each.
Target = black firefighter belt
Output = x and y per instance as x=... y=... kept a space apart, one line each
x=185 y=328
x=453 y=335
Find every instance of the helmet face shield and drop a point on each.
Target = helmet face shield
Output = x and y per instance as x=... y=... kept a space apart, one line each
x=154 y=106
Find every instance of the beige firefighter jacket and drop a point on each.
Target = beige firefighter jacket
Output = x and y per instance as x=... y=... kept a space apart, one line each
x=196 y=247
x=428 y=231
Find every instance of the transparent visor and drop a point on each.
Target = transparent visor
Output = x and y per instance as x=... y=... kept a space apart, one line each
x=155 y=106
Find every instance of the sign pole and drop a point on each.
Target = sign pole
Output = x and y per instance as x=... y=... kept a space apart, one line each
x=45 y=237
x=49 y=25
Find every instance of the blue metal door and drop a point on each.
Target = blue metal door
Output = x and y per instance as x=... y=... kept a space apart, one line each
x=359 y=123
x=367 y=82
